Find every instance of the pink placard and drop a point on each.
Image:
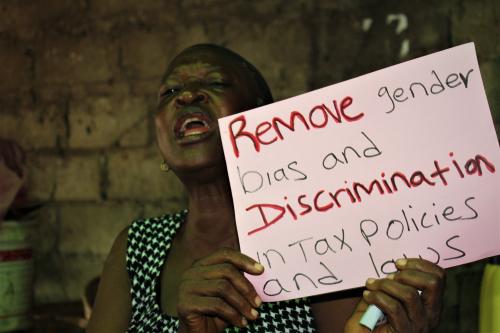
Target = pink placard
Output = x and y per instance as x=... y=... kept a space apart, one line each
x=330 y=187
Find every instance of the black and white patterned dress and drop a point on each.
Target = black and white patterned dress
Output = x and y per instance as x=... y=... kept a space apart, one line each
x=149 y=241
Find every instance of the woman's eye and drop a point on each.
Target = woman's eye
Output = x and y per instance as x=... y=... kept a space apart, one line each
x=169 y=92
x=219 y=84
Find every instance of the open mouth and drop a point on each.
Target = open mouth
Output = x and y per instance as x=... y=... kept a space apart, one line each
x=192 y=124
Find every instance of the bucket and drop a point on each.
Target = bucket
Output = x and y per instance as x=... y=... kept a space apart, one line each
x=16 y=275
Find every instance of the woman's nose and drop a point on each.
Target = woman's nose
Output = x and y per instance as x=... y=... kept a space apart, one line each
x=188 y=97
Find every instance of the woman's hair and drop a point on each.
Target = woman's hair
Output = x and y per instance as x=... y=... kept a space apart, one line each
x=265 y=93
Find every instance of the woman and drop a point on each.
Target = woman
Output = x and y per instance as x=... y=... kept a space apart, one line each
x=184 y=273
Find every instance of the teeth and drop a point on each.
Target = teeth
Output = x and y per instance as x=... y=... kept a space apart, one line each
x=194 y=132
x=189 y=120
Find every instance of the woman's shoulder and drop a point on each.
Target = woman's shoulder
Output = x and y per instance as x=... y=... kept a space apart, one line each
x=145 y=228
x=148 y=239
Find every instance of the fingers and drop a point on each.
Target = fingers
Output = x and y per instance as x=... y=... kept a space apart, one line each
x=393 y=309
x=226 y=264
x=228 y=274
x=427 y=277
x=422 y=274
x=211 y=306
x=215 y=287
x=421 y=265
x=224 y=291
x=231 y=256
x=412 y=296
x=405 y=295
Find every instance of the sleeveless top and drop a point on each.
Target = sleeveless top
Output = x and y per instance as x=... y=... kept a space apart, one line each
x=149 y=241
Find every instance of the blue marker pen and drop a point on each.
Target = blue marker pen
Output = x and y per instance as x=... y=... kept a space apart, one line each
x=372 y=316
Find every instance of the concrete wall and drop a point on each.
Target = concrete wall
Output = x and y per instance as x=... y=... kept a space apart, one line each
x=79 y=79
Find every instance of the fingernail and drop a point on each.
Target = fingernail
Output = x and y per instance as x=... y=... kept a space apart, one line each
x=254 y=312
x=244 y=321
x=258 y=267
x=258 y=301
x=401 y=262
x=366 y=293
x=391 y=276
x=370 y=281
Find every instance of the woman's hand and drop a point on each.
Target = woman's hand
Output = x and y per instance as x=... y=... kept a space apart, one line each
x=214 y=293
x=406 y=309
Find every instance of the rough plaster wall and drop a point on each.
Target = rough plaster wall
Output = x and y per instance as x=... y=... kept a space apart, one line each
x=78 y=84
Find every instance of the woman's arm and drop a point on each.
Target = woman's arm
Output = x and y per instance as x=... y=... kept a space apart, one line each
x=112 y=309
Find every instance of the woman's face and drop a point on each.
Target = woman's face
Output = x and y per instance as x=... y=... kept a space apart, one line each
x=200 y=87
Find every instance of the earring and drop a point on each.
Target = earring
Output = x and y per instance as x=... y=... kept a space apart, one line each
x=164 y=167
